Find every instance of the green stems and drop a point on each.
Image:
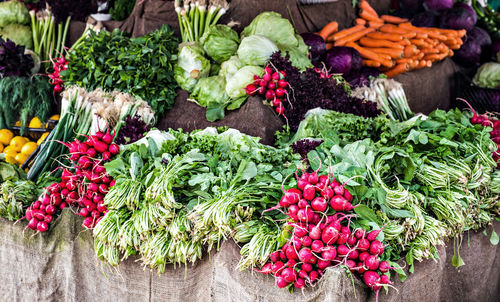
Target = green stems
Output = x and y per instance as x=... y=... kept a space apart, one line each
x=194 y=20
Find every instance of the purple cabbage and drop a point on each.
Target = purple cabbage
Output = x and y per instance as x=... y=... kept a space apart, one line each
x=425 y=19
x=469 y=54
x=468 y=8
x=316 y=43
x=480 y=36
x=457 y=18
x=437 y=5
x=343 y=60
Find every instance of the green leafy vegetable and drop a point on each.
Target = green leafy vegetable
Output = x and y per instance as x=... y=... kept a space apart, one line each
x=220 y=42
x=211 y=93
x=19 y=34
x=488 y=75
x=13 y=12
x=191 y=65
x=236 y=83
x=256 y=50
x=230 y=66
x=121 y=9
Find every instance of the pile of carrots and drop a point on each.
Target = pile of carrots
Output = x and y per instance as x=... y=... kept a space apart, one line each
x=393 y=44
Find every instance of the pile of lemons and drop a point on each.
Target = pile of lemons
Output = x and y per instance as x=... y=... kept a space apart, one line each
x=17 y=149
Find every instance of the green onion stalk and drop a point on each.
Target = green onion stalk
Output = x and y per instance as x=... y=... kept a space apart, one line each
x=196 y=17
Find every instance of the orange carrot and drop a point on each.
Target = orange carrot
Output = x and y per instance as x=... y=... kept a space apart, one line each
x=414 y=64
x=422 y=64
x=404 y=42
x=435 y=57
x=399 y=69
x=329 y=46
x=369 y=42
x=385 y=36
x=371 y=63
x=392 y=29
x=375 y=24
x=404 y=60
x=410 y=50
x=450 y=53
x=429 y=50
x=367 y=54
x=345 y=32
x=421 y=35
x=418 y=42
x=393 y=19
x=369 y=16
x=359 y=21
x=329 y=30
x=353 y=37
x=429 y=63
x=394 y=53
x=364 y=5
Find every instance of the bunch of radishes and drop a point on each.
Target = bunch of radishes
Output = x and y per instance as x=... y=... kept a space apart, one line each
x=272 y=86
x=58 y=65
x=319 y=215
x=83 y=186
x=485 y=121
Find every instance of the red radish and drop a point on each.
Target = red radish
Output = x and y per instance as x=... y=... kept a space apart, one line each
x=84 y=212
x=345 y=230
x=372 y=279
x=300 y=283
x=282 y=84
x=87 y=222
x=63 y=205
x=315 y=233
x=342 y=250
x=266 y=269
x=293 y=195
x=309 y=192
x=50 y=209
x=323 y=264
x=112 y=183
x=329 y=253
x=64 y=193
x=302 y=183
x=46 y=200
x=282 y=254
x=277 y=267
x=33 y=224
x=66 y=175
x=339 y=190
x=338 y=202
x=36 y=205
x=305 y=215
x=42 y=208
x=70 y=185
x=92 y=187
x=303 y=274
x=348 y=196
x=289 y=275
x=276 y=76
x=275 y=256
x=373 y=235
x=300 y=231
x=360 y=233
x=361 y=269
x=316 y=218
x=42 y=226
x=280 y=92
x=106 y=155
x=313 y=276
x=303 y=203
x=307 y=267
x=38 y=215
x=334 y=184
x=107 y=179
x=376 y=248
x=313 y=178
x=319 y=204
x=74 y=156
x=95 y=214
x=327 y=193
x=114 y=149
x=305 y=255
x=384 y=279
x=306 y=241
x=384 y=267
x=351 y=264
x=271 y=85
x=330 y=235
x=292 y=210
x=270 y=95
x=56 y=199
x=251 y=89
x=353 y=254
x=363 y=244
x=100 y=146
x=277 y=102
x=48 y=218
x=28 y=214
x=362 y=257
x=266 y=77
x=103 y=188
x=371 y=262
x=317 y=246
x=281 y=282
x=291 y=253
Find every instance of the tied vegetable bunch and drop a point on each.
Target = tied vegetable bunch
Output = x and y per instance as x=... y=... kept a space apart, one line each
x=83 y=186
x=196 y=17
x=320 y=213
x=272 y=86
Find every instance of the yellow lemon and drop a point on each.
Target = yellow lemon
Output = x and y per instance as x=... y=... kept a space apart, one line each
x=1 y=148
x=9 y=150
x=18 y=124
x=35 y=123
x=42 y=138
x=5 y=136
x=10 y=159
x=55 y=117
x=17 y=143
x=29 y=148
x=21 y=158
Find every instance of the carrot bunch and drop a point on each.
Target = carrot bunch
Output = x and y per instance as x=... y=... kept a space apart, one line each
x=391 y=43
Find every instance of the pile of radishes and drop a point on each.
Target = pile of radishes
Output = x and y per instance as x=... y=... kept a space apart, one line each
x=486 y=121
x=272 y=86
x=58 y=65
x=322 y=237
x=83 y=187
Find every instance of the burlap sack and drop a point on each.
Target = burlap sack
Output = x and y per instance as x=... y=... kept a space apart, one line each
x=60 y=266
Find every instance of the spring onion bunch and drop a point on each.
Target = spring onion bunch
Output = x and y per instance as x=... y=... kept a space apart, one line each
x=196 y=17
x=49 y=37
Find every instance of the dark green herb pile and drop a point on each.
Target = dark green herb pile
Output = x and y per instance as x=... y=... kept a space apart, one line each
x=141 y=66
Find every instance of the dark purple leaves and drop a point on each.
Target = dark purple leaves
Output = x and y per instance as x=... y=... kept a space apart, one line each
x=13 y=61
x=132 y=131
